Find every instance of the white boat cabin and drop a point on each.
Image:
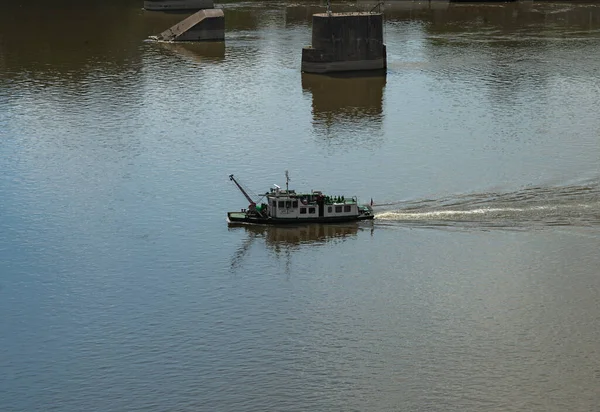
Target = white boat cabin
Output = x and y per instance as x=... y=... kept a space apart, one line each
x=287 y=204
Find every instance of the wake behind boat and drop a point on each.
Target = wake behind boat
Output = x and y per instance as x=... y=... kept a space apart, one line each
x=288 y=207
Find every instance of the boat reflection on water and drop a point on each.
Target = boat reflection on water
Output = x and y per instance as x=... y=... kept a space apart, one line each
x=294 y=236
x=289 y=238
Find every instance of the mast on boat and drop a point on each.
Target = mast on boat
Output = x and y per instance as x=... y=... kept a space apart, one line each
x=287 y=181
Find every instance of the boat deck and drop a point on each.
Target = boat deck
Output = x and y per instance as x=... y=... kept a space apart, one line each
x=236 y=215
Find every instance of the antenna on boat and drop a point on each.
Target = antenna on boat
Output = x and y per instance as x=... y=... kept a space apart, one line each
x=287 y=181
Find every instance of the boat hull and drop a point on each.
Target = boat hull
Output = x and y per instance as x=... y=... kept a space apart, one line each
x=241 y=217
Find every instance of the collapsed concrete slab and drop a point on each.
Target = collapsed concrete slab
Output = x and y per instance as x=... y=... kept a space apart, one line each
x=201 y=26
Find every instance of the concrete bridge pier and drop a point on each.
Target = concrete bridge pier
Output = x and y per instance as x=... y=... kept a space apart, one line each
x=345 y=42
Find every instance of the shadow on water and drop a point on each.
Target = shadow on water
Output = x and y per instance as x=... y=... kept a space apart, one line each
x=346 y=100
x=530 y=208
x=197 y=51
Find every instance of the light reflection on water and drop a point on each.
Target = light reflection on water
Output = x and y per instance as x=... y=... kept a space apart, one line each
x=122 y=288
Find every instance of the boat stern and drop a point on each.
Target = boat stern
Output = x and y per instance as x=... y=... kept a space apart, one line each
x=365 y=212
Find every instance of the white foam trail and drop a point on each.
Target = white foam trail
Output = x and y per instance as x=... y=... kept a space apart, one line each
x=573 y=205
x=398 y=215
x=457 y=214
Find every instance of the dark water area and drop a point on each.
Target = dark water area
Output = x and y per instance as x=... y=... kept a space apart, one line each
x=477 y=286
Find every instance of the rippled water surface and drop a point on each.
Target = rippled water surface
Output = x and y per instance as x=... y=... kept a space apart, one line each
x=476 y=288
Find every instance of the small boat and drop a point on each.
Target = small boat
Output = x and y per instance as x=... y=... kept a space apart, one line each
x=288 y=207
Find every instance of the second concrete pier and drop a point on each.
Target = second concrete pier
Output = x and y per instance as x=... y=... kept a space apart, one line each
x=345 y=42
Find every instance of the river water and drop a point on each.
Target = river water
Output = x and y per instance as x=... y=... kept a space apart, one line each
x=476 y=288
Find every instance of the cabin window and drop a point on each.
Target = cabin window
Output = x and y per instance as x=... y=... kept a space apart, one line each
x=295 y=204
x=347 y=208
x=281 y=203
x=288 y=204
x=329 y=209
x=274 y=203
x=338 y=209
x=302 y=210
x=311 y=210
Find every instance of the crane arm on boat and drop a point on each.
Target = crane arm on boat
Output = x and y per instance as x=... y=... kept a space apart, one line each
x=259 y=210
x=252 y=202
